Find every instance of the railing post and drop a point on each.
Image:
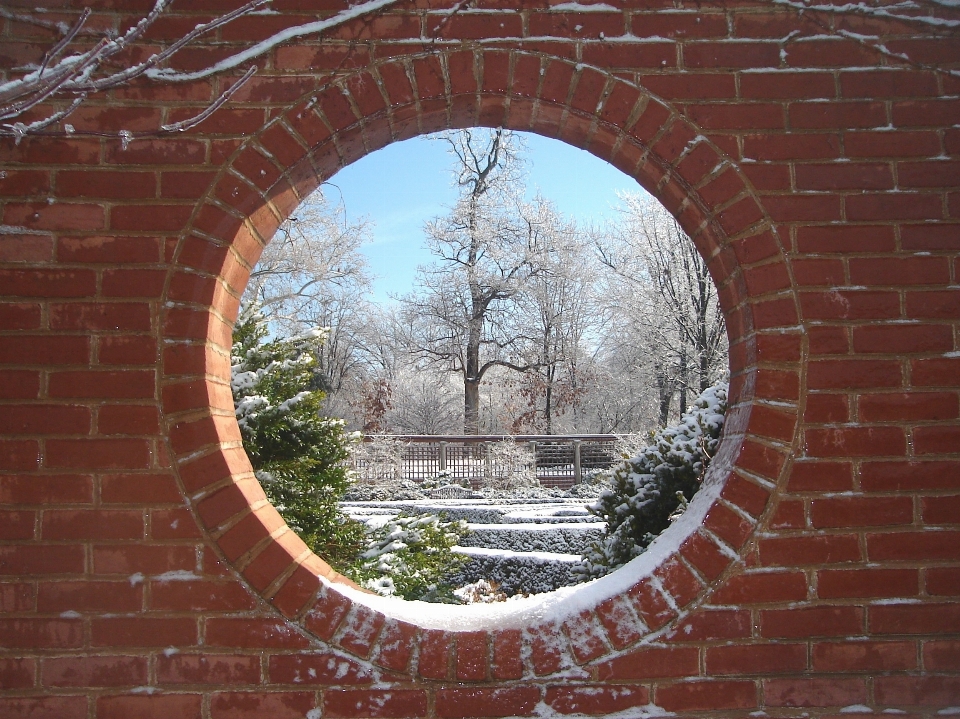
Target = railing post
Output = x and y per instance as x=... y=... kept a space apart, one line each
x=487 y=474
x=533 y=451
x=443 y=456
x=577 y=474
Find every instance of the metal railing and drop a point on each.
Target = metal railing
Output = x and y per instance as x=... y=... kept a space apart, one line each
x=558 y=460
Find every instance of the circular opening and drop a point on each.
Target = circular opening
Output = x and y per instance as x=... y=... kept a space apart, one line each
x=540 y=317
x=265 y=182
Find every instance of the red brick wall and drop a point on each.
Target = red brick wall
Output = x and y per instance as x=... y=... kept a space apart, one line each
x=812 y=158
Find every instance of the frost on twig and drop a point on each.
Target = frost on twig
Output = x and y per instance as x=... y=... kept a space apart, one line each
x=77 y=75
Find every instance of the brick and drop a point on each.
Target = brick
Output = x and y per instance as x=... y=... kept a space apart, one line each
x=867 y=583
x=848 y=239
x=394 y=704
x=706 y=695
x=814 y=692
x=19 y=316
x=88 y=596
x=144 y=558
x=33 y=634
x=743 y=54
x=812 y=550
x=651 y=663
x=471 y=656
x=396 y=645
x=92 y=524
x=50 y=707
x=17 y=673
x=861 y=511
x=99 y=316
x=17 y=525
x=864 y=656
x=940 y=510
x=16 y=597
x=855 y=442
x=461 y=703
x=592 y=699
x=200 y=596
x=932 y=304
x=933 y=691
x=941 y=655
x=914 y=545
x=316 y=668
x=238 y=632
x=282 y=705
x=99 y=671
x=887 y=83
x=45 y=419
x=645 y=55
x=155 y=706
x=911 y=476
x=838 y=115
x=754 y=659
x=98 y=454
x=902 y=339
x=787 y=86
x=800 y=623
x=936 y=439
x=120 y=384
x=143 y=632
x=893 y=206
x=844 y=176
x=761 y=588
x=914 y=406
x=41 y=559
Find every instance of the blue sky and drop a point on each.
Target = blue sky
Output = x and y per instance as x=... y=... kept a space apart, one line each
x=404 y=185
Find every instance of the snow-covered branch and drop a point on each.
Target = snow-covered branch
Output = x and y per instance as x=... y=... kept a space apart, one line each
x=80 y=74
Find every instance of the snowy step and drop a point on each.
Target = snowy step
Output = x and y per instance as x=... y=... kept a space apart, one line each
x=527 y=537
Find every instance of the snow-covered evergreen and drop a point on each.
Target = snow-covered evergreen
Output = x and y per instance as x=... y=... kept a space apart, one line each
x=650 y=489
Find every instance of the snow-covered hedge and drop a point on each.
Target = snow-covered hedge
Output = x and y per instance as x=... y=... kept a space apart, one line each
x=516 y=572
x=650 y=489
x=560 y=538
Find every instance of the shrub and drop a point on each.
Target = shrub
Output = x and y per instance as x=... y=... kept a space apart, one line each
x=410 y=557
x=298 y=456
x=647 y=490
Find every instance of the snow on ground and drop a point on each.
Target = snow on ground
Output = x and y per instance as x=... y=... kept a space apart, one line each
x=523 y=544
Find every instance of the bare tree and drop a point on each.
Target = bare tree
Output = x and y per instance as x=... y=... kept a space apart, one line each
x=555 y=310
x=665 y=281
x=459 y=318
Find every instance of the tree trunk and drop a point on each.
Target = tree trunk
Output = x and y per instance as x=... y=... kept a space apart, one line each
x=683 y=382
x=548 y=410
x=471 y=406
x=666 y=394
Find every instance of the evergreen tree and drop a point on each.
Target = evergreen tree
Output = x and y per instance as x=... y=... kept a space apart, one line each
x=297 y=454
x=650 y=490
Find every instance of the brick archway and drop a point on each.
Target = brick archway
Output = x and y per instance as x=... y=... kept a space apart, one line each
x=272 y=172
x=812 y=155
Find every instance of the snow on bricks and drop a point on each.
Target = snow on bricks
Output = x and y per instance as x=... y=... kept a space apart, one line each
x=809 y=150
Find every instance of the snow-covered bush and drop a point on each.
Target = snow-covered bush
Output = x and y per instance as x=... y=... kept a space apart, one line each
x=480 y=592
x=298 y=455
x=411 y=557
x=647 y=490
x=511 y=465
